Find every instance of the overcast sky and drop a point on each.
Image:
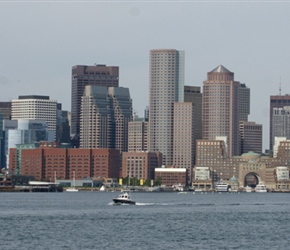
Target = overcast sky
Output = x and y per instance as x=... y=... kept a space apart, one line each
x=41 y=40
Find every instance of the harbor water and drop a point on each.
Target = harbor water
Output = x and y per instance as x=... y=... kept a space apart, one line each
x=89 y=220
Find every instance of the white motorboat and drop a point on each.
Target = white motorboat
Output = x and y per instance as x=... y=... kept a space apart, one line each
x=103 y=188
x=124 y=198
x=261 y=188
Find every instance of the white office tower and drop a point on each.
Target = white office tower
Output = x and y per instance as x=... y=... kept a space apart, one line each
x=35 y=107
x=166 y=86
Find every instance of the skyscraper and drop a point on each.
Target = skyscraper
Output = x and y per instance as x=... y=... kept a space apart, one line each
x=194 y=95
x=122 y=111
x=105 y=114
x=183 y=136
x=36 y=107
x=276 y=101
x=138 y=136
x=166 y=86
x=95 y=121
x=281 y=122
x=82 y=75
x=251 y=137
x=5 y=110
x=225 y=103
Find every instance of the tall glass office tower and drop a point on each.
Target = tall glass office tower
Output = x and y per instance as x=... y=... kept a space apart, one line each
x=166 y=86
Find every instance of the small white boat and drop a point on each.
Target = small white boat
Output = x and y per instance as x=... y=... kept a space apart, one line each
x=182 y=192
x=73 y=188
x=261 y=188
x=103 y=188
x=124 y=198
x=248 y=189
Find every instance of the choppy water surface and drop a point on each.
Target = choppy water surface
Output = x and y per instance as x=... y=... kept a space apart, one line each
x=89 y=220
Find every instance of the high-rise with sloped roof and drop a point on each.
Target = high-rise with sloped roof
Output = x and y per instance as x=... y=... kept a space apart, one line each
x=225 y=103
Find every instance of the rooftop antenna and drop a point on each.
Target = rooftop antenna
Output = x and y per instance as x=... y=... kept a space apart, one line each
x=280 y=87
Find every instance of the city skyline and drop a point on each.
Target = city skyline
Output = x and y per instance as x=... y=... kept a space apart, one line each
x=42 y=41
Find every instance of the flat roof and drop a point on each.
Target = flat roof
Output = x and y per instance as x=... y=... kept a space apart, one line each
x=173 y=170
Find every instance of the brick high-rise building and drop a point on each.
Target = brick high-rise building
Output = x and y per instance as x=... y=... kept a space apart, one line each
x=140 y=164
x=166 y=86
x=82 y=75
x=225 y=103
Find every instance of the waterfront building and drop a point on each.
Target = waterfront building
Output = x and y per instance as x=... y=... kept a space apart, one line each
x=27 y=132
x=46 y=163
x=276 y=101
x=282 y=176
x=105 y=115
x=223 y=100
x=36 y=107
x=166 y=86
x=140 y=165
x=183 y=136
x=202 y=178
x=251 y=168
x=83 y=75
x=251 y=137
x=2 y=143
x=171 y=176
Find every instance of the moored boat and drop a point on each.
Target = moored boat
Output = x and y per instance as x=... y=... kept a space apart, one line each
x=261 y=188
x=248 y=189
x=73 y=188
x=221 y=187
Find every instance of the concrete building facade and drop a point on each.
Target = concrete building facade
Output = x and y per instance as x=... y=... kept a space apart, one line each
x=138 y=136
x=193 y=94
x=83 y=75
x=166 y=86
x=251 y=135
x=250 y=167
x=105 y=115
x=281 y=122
x=183 y=136
x=276 y=101
x=5 y=110
x=36 y=107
